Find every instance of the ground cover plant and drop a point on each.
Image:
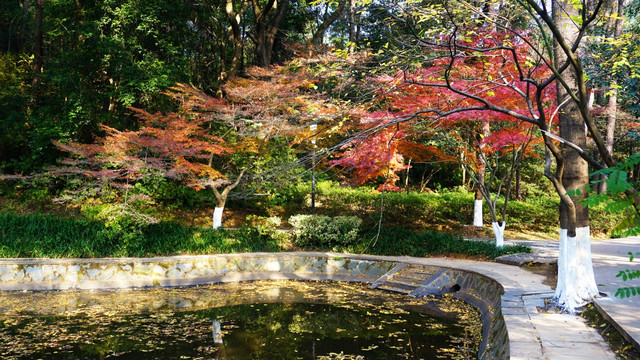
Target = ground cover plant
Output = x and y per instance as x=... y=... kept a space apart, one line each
x=37 y=235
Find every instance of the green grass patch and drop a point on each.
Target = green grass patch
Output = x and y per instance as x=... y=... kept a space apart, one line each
x=37 y=235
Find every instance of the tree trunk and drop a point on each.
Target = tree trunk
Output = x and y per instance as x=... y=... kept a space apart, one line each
x=576 y=282
x=221 y=199
x=477 y=205
x=352 y=25
x=318 y=36
x=498 y=231
x=267 y=28
x=518 y=186
x=612 y=105
x=37 y=52
x=235 y=38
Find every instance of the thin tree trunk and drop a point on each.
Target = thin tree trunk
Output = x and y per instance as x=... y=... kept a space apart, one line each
x=477 y=204
x=352 y=25
x=518 y=186
x=37 y=52
x=612 y=105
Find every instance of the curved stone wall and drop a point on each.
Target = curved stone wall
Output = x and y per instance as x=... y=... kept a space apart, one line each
x=478 y=290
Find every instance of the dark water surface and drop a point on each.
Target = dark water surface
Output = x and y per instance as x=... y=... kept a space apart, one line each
x=257 y=320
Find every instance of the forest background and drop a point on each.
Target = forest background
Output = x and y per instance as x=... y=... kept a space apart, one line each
x=289 y=99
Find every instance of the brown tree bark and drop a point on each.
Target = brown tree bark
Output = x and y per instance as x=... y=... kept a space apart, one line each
x=612 y=106
x=352 y=25
x=268 y=22
x=37 y=50
x=235 y=39
x=575 y=176
x=319 y=34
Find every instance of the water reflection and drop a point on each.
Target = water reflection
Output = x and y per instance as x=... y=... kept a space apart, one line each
x=217 y=332
x=258 y=320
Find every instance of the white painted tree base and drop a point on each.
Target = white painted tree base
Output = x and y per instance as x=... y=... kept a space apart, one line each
x=498 y=230
x=576 y=282
x=217 y=217
x=477 y=213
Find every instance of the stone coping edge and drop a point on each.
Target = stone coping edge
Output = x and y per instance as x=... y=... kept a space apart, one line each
x=617 y=326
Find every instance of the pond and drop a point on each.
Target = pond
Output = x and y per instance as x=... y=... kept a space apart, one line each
x=249 y=320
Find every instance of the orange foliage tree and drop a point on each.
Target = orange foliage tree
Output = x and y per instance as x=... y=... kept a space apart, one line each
x=194 y=145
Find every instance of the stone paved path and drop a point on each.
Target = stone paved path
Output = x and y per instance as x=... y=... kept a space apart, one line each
x=609 y=257
x=538 y=334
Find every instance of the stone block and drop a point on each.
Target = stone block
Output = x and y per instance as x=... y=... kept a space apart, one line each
x=35 y=273
x=92 y=273
x=202 y=264
x=71 y=276
x=8 y=275
x=143 y=269
x=174 y=273
x=193 y=273
x=126 y=267
x=60 y=270
x=363 y=267
x=320 y=264
x=106 y=274
x=158 y=270
x=185 y=268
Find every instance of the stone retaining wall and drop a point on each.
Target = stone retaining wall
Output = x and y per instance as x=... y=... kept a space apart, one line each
x=58 y=274
x=484 y=294
x=62 y=274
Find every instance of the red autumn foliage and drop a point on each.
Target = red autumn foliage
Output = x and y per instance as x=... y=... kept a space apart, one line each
x=438 y=95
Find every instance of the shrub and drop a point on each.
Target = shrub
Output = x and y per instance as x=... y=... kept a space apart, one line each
x=325 y=232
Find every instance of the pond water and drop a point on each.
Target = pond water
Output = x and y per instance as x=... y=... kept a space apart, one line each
x=256 y=320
